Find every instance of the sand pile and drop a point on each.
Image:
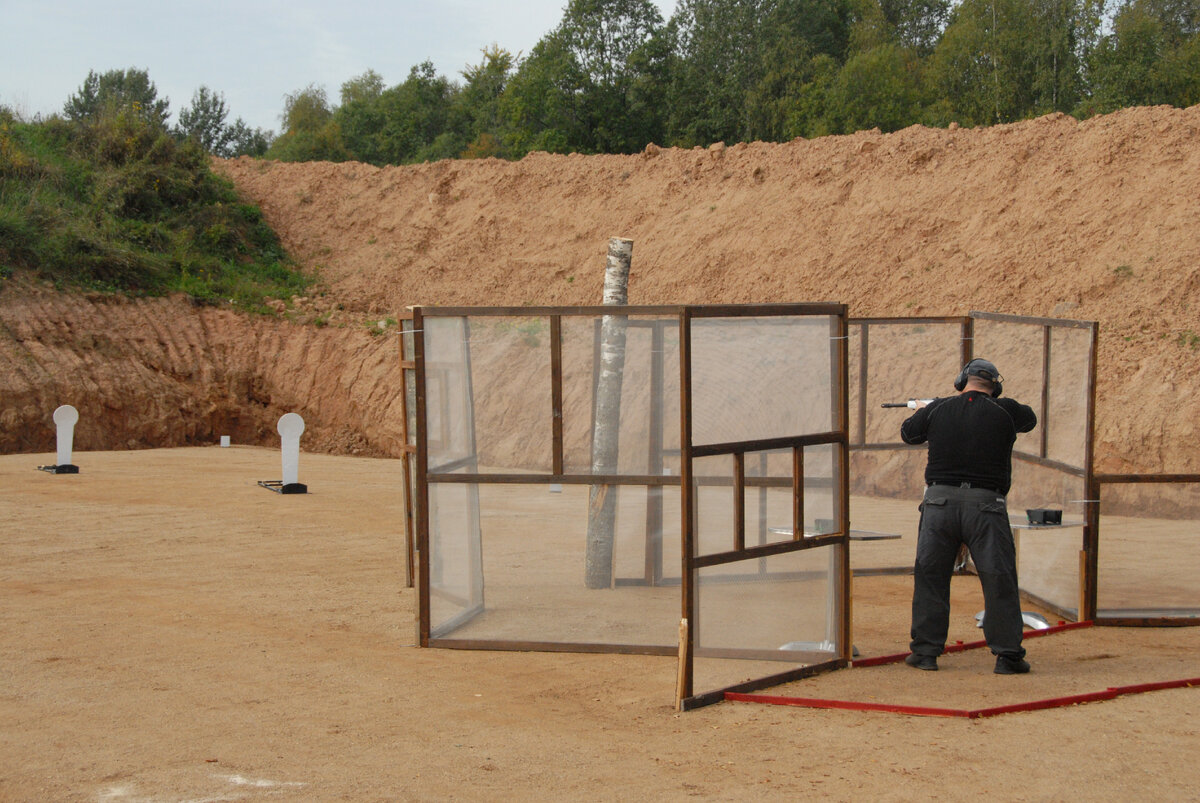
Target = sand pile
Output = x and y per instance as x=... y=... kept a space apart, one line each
x=1093 y=220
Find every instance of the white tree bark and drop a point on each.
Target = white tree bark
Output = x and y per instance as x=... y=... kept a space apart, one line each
x=602 y=503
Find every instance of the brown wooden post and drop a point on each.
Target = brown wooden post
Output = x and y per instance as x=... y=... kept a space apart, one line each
x=687 y=528
x=1044 y=413
x=606 y=425
x=408 y=451
x=422 y=500
x=1089 y=582
x=556 y=395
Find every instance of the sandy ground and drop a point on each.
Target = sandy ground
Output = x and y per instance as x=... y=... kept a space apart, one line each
x=171 y=631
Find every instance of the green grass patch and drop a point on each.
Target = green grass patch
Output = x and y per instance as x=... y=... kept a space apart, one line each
x=118 y=204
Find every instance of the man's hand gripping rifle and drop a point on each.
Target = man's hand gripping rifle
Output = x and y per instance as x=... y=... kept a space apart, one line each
x=911 y=404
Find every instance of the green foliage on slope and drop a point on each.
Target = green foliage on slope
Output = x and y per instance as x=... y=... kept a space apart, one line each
x=112 y=201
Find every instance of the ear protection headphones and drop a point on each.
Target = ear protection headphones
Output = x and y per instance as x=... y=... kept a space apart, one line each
x=984 y=370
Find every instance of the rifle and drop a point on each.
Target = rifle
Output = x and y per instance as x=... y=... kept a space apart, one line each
x=910 y=404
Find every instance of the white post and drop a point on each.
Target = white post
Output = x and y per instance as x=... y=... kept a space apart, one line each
x=290 y=427
x=65 y=418
x=602 y=502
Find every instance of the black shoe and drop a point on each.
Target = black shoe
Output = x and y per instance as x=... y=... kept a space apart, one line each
x=1010 y=666
x=926 y=662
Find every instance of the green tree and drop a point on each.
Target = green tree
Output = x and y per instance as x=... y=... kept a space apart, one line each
x=540 y=105
x=1152 y=56
x=204 y=121
x=420 y=120
x=603 y=66
x=744 y=69
x=800 y=40
x=480 y=101
x=1004 y=60
x=879 y=88
x=130 y=91
x=310 y=132
x=247 y=141
x=361 y=117
x=715 y=66
x=918 y=23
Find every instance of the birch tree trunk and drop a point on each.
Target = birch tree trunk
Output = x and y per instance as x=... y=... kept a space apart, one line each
x=602 y=503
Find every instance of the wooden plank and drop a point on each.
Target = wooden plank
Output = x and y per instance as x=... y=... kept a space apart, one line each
x=1149 y=621
x=1061 y=323
x=688 y=504
x=422 y=511
x=552 y=646
x=1117 y=479
x=841 y=377
x=718 y=695
x=765 y=310
x=1091 y=531
x=864 y=358
x=1044 y=418
x=559 y=479
x=767 y=550
x=797 y=493
x=739 y=501
x=680 y=682
x=594 y=310
x=765 y=444
x=556 y=393
x=1074 y=471
x=936 y=319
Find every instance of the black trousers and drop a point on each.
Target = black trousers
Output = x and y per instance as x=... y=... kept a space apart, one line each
x=979 y=518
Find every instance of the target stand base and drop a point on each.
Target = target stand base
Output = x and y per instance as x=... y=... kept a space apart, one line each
x=65 y=468
x=279 y=487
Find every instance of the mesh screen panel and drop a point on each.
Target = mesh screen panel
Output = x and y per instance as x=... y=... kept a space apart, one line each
x=764 y=616
x=455 y=557
x=1048 y=557
x=649 y=395
x=905 y=361
x=755 y=378
x=1149 y=554
x=1016 y=351
x=449 y=423
x=1067 y=407
x=532 y=545
x=513 y=405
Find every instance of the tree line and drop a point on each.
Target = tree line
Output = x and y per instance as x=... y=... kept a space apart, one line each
x=613 y=76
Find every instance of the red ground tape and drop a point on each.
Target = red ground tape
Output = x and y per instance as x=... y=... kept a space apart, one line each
x=880 y=660
x=924 y=711
x=1041 y=705
x=845 y=705
x=1165 y=684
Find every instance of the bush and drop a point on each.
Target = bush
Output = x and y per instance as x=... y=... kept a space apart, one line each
x=114 y=202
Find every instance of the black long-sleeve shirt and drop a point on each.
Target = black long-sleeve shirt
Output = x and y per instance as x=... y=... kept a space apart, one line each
x=970 y=437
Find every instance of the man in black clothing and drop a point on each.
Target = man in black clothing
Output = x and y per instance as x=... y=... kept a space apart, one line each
x=967 y=476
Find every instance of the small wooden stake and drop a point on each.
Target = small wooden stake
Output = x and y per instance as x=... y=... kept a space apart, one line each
x=683 y=638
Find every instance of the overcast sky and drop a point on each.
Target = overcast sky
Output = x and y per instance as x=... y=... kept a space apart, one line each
x=254 y=51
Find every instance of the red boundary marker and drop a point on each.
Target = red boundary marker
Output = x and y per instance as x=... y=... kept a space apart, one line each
x=978 y=713
x=925 y=711
x=880 y=660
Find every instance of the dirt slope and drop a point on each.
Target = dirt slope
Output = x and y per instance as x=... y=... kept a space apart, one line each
x=1093 y=220
x=160 y=372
